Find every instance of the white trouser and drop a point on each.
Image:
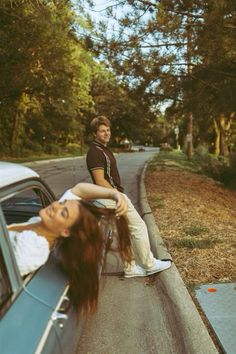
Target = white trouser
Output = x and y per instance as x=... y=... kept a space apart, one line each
x=139 y=236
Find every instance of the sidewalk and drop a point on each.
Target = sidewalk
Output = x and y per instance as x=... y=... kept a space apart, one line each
x=218 y=301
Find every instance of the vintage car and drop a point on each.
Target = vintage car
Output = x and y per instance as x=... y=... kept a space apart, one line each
x=35 y=312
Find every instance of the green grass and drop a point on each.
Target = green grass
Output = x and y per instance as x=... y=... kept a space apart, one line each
x=191 y=243
x=44 y=156
x=195 y=230
x=157 y=202
x=36 y=158
x=174 y=159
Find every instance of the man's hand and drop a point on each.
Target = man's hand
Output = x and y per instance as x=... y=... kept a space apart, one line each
x=121 y=203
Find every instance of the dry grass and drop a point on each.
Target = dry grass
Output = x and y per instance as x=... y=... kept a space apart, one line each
x=196 y=217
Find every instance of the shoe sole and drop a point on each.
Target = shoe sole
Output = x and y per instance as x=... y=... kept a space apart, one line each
x=157 y=270
x=134 y=275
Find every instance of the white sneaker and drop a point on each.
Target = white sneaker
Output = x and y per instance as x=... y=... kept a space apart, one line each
x=158 y=266
x=137 y=271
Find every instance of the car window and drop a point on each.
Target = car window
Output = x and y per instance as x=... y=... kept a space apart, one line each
x=22 y=206
x=5 y=289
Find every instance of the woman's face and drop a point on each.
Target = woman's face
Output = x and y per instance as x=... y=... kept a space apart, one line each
x=58 y=217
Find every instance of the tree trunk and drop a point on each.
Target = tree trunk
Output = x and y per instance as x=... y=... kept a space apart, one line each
x=222 y=144
x=225 y=124
x=18 y=123
x=189 y=137
x=217 y=138
x=15 y=134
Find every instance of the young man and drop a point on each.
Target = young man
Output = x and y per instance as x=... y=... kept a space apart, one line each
x=103 y=169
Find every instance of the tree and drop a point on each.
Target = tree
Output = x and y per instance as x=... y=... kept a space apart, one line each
x=214 y=78
x=127 y=108
x=45 y=74
x=160 y=49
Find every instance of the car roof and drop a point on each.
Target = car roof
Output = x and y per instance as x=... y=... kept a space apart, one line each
x=11 y=173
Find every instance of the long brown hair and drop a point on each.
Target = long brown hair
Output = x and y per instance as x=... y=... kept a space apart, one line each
x=82 y=253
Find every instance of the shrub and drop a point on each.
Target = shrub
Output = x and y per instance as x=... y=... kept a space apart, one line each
x=202 y=153
x=73 y=148
x=221 y=169
x=228 y=173
x=32 y=146
x=202 y=150
x=53 y=149
x=166 y=147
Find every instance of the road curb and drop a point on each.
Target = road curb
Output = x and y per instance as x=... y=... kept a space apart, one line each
x=196 y=339
x=39 y=162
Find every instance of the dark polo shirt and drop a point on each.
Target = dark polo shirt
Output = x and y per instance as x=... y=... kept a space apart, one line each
x=100 y=157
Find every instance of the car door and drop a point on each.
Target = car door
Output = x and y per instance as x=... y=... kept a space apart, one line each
x=35 y=312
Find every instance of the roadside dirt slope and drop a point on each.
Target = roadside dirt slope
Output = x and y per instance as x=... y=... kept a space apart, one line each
x=196 y=217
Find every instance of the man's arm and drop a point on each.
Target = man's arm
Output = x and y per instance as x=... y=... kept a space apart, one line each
x=99 y=179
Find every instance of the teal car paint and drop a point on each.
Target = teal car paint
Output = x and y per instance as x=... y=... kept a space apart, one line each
x=35 y=312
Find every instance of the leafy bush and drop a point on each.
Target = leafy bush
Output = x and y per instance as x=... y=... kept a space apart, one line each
x=221 y=169
x=166 y=147
x=53 y=149
x=228 y=173
x=202 y=153
x=73 y=148
x=213 y=168
x=32 y=146
x=202 y=150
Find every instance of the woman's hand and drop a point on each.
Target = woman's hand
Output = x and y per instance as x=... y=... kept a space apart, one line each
x=91 y=191
x=121 y=203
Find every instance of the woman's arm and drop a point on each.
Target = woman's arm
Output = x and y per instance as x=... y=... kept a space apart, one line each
x=92 y=191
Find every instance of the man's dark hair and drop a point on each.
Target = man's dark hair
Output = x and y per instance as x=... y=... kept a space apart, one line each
x=97 y=121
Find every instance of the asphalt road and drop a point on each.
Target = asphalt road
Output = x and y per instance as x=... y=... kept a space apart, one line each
x=135 y=316
x=65 y=173
x=132 y=316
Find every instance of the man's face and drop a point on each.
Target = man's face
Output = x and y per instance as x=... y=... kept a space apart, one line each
x=103 y=134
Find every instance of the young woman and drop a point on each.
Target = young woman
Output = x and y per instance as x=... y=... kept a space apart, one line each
x=75 y=224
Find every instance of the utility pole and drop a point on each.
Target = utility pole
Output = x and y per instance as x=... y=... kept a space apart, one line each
x=189 y=136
